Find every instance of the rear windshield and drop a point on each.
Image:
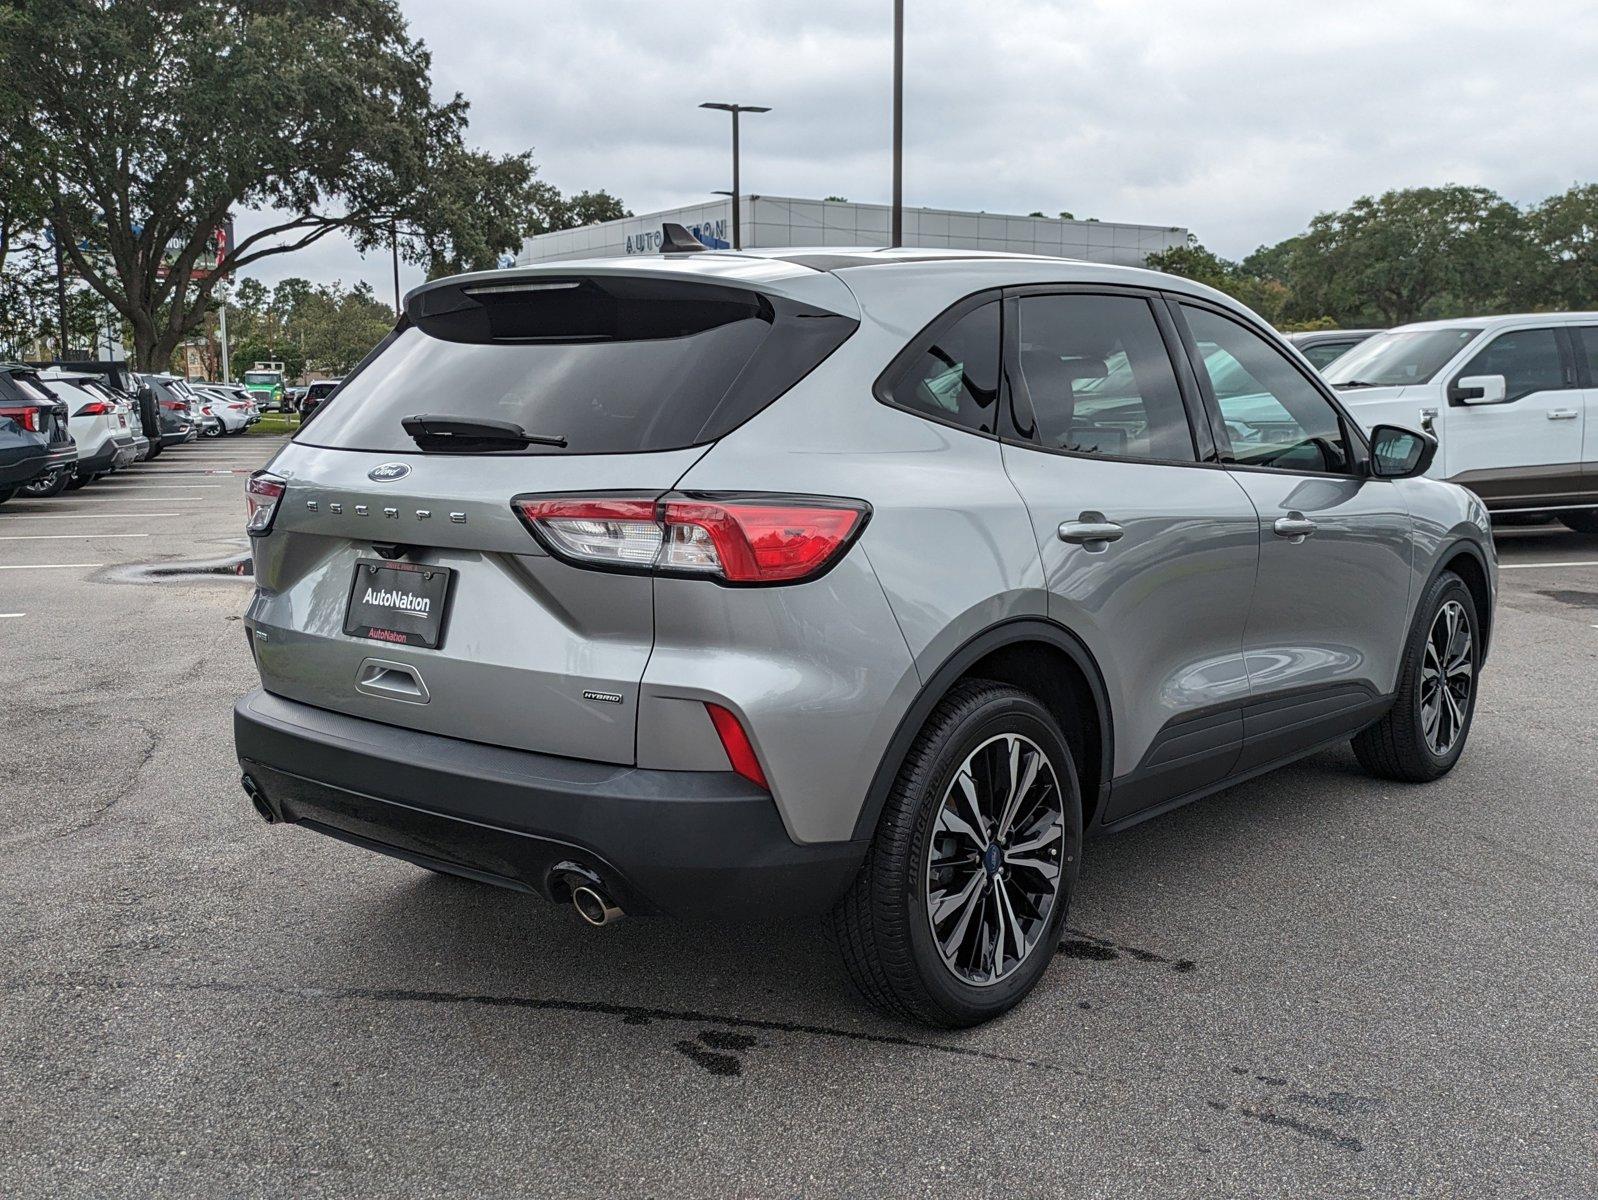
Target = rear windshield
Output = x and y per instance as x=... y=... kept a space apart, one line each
x=1398 y=358
x=612 y=365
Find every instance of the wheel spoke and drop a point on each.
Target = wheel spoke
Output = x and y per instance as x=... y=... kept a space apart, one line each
x=1042 y=866
x=952 y=822
x=1019 y=787
x=968 y=789
x=952 y=944
x=945 y=903
x=1036 y=838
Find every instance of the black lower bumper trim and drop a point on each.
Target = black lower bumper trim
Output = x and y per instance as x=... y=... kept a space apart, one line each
x=689 y=843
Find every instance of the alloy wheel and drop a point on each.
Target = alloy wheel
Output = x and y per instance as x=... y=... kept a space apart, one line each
x=1447 y=675
x=993 y=870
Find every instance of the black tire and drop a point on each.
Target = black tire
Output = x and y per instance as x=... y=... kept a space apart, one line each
x=77 y=482
x=6 y=494
x=1398 y=746
x=1583 y=520
x=213 y=431
x=51 y=484
x=882 y=924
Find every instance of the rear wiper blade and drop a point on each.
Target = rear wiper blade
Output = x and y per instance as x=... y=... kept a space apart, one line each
x=466 y=435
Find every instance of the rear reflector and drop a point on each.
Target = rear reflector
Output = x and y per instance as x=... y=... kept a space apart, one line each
x=734 y=540
x=740 y=753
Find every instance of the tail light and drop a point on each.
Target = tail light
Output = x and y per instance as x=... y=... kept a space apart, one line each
x=261 y=496
x=206 y=409
x=94 y=408
x=30 y=418
x=735 y=741
x=742 y=539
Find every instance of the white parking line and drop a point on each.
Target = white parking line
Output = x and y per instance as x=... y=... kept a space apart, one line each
x=82 y=516
x=131 y=499
x=171 y=487
x=79 y=516
x=46 y=566
x=3 y=616
x=64 y=537
x=1548 y=566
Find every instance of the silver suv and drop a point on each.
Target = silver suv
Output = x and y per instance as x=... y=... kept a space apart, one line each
x=861 y=583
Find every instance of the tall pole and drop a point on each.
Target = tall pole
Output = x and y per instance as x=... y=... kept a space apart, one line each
x=393 y=242
x=735 y=109
x=60 y=297
x=898 y=123
x=737 y=227
x=227 y=375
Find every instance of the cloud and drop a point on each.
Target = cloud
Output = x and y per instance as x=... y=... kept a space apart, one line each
x=1240 y=119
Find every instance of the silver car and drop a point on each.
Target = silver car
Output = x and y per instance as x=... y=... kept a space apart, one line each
x=864 y=583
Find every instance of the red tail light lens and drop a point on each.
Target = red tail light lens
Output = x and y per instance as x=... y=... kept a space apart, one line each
x=30 y=418
x=735 y=540
x=94 y=408
x=735 y=741
x=261 y=496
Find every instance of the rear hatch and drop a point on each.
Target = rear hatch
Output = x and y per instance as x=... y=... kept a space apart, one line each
x=397 y=582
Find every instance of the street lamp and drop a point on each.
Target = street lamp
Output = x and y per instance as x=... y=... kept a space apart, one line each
x=735 y=109
x=897 y=237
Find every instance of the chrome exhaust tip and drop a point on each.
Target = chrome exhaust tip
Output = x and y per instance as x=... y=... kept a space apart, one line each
x=594 y=906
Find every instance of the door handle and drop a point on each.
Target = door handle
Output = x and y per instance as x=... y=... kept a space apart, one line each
x=1295 y=525
x=1562 y=414
x=1090 y=529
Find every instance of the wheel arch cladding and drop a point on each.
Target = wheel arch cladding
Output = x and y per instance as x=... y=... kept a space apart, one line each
x=1043 y=659
x=1465 y=560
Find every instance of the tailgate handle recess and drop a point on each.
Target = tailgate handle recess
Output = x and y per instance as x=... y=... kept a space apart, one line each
x=391 y=681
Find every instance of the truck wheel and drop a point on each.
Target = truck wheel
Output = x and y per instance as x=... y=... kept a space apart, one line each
x=957 y=910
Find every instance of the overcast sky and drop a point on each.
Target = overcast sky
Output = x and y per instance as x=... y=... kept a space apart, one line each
x=1239 y=119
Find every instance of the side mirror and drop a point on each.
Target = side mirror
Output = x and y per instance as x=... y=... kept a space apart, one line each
x=1479 y=389
x=1399 y=453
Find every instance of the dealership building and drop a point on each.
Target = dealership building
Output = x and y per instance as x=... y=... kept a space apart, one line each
x=785 y=221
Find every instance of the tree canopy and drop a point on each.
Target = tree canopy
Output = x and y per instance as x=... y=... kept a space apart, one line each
x=1416 y=254
x=138 y=130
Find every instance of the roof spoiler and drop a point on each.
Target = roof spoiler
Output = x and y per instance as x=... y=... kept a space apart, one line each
x=674 y=239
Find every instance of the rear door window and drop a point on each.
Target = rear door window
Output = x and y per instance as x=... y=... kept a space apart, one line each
x=1099 y=380
x=611 y=364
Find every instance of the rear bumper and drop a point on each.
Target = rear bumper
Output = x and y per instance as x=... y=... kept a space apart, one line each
x=688 y=843
x=22 y=470
x=112 y=453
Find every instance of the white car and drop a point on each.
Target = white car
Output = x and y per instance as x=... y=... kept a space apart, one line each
x=231 y=414
x=1512 y=400
x=101 y=429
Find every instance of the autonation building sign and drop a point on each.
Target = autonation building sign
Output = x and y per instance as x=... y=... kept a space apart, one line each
x=769 y=221
x=712 y=233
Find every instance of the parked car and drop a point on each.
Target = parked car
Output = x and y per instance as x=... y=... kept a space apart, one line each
x=292 y=398
x=172 y=410
x=35 y=434
x=315 y=393
x=723 y=583
x=1511 y=399
x=115 y=376
x=220 y=411
x=1325 y=346
x=100 y=429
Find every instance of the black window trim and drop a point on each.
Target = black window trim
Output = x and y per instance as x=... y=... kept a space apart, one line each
x=1010 y=433
x=911 y=352
x=1354 y=436
x=1570 y=364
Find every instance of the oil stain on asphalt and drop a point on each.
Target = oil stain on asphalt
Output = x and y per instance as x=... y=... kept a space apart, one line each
x=1097 y=949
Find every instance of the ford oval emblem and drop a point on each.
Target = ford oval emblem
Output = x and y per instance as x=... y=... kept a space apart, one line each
x=388 y=472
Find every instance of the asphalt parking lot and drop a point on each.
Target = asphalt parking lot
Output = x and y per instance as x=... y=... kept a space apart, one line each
x=1315 y=984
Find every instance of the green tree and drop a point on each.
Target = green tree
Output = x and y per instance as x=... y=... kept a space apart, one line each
x=1436 y=251
x=1563 y=231
x=587 y=208
x=1266 y=296
x=153 y=123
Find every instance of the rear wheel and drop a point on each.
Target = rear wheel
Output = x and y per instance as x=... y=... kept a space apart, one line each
x=6 y=494
x=958 y=907
x=77 y=481
x=1584 y=520
x=1423 y=734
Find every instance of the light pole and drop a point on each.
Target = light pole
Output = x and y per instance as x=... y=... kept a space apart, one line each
x=898 y=123
x=735 y=109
